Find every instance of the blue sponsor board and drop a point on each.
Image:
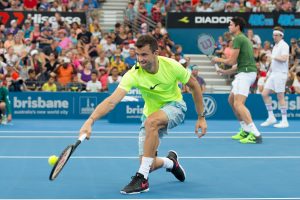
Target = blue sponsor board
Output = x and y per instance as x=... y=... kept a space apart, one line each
x=47 y=105
x=216 y=107
x=69 y=105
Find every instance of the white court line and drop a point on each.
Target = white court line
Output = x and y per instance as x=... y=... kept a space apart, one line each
x=136 y=157
x=254 y=198
x=132 y=137
x=136 y=131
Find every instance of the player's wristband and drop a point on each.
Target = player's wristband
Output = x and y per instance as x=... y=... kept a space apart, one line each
x=201 y=115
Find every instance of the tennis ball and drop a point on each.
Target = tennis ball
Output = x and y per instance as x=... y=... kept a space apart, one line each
x=52 y=160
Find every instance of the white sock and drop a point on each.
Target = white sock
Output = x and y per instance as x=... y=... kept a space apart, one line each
x=168 y=163
x=283 y=110
x=247 y=128
x=146 y=166
x=254 y=129
x=243 y=124
x=270 y=110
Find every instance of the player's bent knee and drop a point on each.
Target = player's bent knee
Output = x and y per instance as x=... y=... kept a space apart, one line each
x=152 y=124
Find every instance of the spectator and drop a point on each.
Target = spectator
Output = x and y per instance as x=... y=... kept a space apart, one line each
x=64 y=72
x=131 y=60
x=119 y=64
x=85 y=35
x=51 y=63
x=103 y=78
x=129 y=13
x=5 y=105
x=101 y=61
x=9 y=39
x=114 y=76
x=254 y=38
x=75 y=85
x=50 y=85
x=35 y=34
x=121 y=36
x=45 y=38
x=30 y=5
x=296 y=83
x=31 y=83
x=85 y=75
x=94 y=85
x=217 y=5
x=109 y=48
x=201 y=81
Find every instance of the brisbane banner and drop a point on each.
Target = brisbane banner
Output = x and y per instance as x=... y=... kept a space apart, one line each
x=221 y=20
x=40 y=17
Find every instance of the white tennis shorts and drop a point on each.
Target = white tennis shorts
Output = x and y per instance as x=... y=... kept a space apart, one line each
x=276 y=82
x=242 y=83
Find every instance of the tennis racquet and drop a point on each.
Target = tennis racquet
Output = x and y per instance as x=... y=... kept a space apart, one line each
x=206 y=45
x=64 y=157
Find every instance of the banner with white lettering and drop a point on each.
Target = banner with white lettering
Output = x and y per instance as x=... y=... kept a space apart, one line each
x=40 y=17
x=221 y=20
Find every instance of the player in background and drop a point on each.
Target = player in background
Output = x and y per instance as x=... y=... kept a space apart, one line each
x=242 y=59
x=276 y=79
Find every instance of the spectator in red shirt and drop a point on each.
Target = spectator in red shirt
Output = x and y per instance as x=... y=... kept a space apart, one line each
x=30 y=4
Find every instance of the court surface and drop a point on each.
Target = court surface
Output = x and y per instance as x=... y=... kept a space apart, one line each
x=216 y=166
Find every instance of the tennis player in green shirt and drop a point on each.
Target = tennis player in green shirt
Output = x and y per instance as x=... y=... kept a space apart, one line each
x=5 y=105
x=157 y=78
x=242 y=58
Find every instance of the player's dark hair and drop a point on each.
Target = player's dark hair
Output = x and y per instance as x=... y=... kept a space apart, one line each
x=278 y=28
x=147 y=40
x=238 y=21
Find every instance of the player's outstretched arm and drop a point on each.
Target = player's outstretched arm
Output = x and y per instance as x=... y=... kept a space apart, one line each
x=102 y=109
x=198 y=100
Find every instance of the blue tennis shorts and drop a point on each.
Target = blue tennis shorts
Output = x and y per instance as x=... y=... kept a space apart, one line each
x=176 y=113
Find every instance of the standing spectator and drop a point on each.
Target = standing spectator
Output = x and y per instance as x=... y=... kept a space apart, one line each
x=5 y=105
x=276 y=81
x=94 y=85
x=129 y=13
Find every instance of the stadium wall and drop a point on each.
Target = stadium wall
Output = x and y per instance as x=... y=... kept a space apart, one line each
x=69 y=105
x=216 y=24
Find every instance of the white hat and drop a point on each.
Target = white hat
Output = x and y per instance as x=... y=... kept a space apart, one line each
x=182 y=61
x=34 y=52
x=13 y=21
x=66 y=60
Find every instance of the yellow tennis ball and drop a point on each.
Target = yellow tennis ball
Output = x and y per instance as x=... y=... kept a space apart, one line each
x=52 y=160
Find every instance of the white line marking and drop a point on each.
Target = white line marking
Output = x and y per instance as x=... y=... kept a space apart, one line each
x=135 y=157
x=136 y=131
x=133 y=137
x=254 y=198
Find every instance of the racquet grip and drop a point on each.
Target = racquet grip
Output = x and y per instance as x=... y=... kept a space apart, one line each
x=82 y=137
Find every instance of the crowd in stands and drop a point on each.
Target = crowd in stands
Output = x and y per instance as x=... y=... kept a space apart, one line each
x=157 y=9
x=262 y=55
x=57 y=56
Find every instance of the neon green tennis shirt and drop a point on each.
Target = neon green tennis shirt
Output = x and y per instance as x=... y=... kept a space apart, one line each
x=157 y=89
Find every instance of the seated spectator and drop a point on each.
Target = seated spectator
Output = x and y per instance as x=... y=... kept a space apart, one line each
x=31 y=83
x=131 y=60
x=296 y=83
x=51 y=63
x=50 y=85
x=201 y=81
x=75 y=85
x=94 y=85
x=114 y=76
x=103 y=78
x=65 y=72
x=125 y=50
x=119 y=64
x=85 y=75
x=101 y=61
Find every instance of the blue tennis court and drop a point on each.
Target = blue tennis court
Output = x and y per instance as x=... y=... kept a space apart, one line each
x=216 y=166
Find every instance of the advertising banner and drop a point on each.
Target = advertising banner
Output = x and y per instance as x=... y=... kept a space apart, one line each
x=222 y=19
x=40 y=17
x=46 y=105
